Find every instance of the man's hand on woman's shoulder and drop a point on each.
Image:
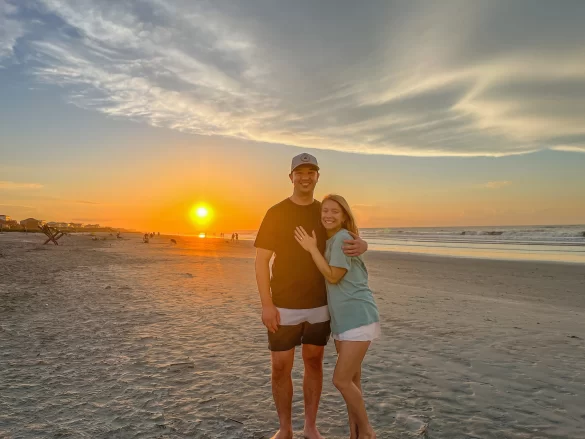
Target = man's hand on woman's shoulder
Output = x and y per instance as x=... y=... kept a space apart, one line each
x=354 y=247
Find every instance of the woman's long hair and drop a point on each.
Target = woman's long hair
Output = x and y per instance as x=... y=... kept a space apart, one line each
x=349 y=222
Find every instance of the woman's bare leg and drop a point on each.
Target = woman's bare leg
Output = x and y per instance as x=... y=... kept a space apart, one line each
x=349 y=361
x=357 y=380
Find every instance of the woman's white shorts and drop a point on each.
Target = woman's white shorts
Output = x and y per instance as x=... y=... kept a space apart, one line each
x=363 y=333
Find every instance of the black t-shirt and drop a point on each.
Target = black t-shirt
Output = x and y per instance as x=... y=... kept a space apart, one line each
x=296 y=282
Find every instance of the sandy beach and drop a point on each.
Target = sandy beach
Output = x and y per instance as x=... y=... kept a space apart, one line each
x=120 y=339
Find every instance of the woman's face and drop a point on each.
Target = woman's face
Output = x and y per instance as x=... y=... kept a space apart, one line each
x=332 y=215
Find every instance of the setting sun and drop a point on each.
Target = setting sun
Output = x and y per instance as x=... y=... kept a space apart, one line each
x=201 y=215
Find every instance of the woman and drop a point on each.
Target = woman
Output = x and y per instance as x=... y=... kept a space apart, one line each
x=354 y=315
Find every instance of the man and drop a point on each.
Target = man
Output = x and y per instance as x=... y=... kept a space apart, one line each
x=294 y=299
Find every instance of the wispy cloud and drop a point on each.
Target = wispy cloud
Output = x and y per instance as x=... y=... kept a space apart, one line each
x=495 y=184
x=16 y=185
x=87 y=202
x=17 y=206
x=456 y=78
x=10 y=29
x=570 y=148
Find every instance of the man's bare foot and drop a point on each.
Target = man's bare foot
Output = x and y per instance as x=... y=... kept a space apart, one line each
x=312 y=433
x=282 y=434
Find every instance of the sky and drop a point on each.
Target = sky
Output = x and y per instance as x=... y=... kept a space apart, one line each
x=452 y=113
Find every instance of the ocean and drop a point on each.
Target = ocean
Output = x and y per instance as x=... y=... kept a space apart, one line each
x=560 y=243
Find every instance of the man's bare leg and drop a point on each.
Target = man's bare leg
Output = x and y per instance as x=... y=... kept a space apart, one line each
x=312 y=387
x=282 y=391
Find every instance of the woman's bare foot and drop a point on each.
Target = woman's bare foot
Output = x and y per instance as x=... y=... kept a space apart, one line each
x=369 y=435
x=353 y=431
x=312 y=433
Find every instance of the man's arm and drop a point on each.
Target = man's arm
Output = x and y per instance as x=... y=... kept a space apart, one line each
x=355 y=247
x=270 y=315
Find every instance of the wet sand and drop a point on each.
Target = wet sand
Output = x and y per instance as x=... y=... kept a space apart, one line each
x=119 y=339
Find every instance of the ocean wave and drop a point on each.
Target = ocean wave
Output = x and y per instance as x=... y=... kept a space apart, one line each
x=542 y=234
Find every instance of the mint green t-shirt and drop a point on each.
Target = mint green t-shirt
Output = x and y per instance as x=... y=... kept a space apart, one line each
x=351 y=302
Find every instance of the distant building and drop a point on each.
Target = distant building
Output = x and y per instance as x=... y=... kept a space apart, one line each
x=5 y=218
x=31 y=223
x=58 y=225
x=76 y=225
x=92 y=226
x=10 y=224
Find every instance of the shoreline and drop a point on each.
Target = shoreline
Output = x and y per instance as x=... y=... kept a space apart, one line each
x=477 y=258
x=249 y=242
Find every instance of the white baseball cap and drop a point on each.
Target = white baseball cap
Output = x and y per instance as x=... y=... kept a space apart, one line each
x=303 y=159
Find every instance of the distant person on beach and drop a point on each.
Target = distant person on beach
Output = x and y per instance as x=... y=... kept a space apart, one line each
x=294 y=298
x=355 y=322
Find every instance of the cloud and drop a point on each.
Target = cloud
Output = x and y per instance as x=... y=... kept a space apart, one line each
x=87 y=202
x=570 y=148
x=495 y=184
x=17 y=206
x=451 y=79
x=10 y=29
x=15 y=185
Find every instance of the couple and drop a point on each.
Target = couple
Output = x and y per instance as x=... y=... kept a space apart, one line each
x=318 y=287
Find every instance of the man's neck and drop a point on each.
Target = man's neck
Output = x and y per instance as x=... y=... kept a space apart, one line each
x=303 y=200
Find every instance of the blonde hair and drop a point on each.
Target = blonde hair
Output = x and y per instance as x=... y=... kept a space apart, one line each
x=349 y=222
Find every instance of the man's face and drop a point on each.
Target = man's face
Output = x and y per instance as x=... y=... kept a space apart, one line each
x=304 y=179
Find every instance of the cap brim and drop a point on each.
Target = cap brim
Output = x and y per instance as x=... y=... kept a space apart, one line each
x=305 y=164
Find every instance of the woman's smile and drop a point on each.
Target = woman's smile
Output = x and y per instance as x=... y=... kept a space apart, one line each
x=332 y=215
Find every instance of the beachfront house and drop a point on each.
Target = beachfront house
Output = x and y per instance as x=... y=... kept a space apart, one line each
x=31 y=223
x=58 y=225
x=9 y=224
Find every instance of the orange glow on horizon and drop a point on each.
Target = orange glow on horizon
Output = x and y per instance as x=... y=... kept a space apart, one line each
x=216 y=199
